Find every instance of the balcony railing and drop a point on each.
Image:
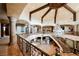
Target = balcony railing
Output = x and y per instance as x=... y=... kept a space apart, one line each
x=29 y=49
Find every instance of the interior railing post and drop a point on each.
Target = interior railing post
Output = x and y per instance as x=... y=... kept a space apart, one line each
x=30 y=49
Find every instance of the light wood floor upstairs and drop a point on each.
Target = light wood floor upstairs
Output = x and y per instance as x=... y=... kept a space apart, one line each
x=12 y=50
x=8 y=50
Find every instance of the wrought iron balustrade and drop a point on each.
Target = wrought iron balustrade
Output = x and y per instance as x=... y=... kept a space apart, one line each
x=29 y=49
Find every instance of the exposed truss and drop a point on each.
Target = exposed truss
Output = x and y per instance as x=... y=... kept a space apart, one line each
x=55 y=6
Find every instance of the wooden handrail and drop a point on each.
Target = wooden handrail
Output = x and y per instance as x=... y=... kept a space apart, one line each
x=42 y=52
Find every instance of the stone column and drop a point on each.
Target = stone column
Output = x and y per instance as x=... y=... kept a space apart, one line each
x=7 y=29
x=13 y=39
x=41 y=35
x=75 y=28
x=29 y=28
x=2 y=31
x=41 y=29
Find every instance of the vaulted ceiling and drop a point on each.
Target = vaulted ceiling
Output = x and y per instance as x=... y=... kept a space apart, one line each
x=62 y=15
x=22 y=10
x=11 y=9
x=15 y=9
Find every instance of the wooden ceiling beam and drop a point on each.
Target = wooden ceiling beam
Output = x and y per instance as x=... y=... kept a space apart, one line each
x=40 y=8
x=69 y=8
x=74 y=16
x=30 y=16
x=72 y=11
x=56 y=10
x=56 y=5
x=4 y=7
x=45 y=14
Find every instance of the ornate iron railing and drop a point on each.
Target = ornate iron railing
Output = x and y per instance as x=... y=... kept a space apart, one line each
x=29 y=49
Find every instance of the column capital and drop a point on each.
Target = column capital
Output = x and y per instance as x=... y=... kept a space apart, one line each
x=11 y=18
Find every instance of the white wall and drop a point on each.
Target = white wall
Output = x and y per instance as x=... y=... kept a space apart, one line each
x=35 y=21
x=48 y=21
x=64 y=16
x=19 y=29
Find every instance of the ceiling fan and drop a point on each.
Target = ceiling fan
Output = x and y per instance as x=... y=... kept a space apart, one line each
x=55 y=6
